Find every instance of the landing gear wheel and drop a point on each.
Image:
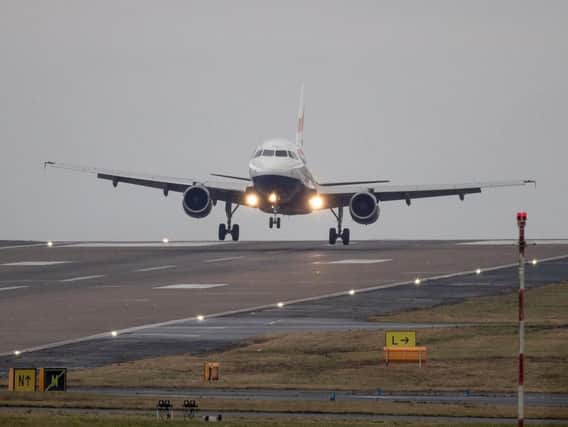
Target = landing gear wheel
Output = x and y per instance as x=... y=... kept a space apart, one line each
x=345 y=236
x=332 y=236
x=235 y=233
x=271 y=222
x=222 y=231
x=277 y=222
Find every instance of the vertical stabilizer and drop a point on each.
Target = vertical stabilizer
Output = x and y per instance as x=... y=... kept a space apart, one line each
x=300 y=129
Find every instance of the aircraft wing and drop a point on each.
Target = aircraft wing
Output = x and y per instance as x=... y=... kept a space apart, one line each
x=227 y=192
x=341 y=196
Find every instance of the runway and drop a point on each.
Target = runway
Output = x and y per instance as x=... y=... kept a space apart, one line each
x=59 y=304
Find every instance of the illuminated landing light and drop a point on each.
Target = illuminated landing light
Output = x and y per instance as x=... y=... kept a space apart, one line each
x=280 y=305
x=251 y=199
x=272 y=197
x=534 y=261
x=114 y=334
x=165 y=240
x=49 y=244
x=478 y=271
x=316 y=202
x=417 y=281
x=352 y=292
x=17 y=352
x=200 y=317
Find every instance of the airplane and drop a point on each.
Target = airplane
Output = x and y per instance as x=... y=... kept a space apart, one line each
x=280 y=183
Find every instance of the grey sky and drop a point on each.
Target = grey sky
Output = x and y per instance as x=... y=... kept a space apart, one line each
x=418 y=92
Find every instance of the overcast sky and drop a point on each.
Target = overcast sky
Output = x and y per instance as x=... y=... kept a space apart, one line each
x=417 y=92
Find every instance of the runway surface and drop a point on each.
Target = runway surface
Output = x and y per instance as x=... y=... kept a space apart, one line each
x=58 y=305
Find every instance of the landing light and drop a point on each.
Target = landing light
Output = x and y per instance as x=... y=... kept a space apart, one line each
x=316 y=202
x=272 y=197
x=251 y=199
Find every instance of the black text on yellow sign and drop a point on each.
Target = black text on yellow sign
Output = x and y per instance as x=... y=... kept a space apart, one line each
x=22 y=379
x=400 y=339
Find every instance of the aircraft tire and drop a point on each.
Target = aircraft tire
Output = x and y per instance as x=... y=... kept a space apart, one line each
x=271 y=222
x=235 y=233
x=222 y=231
x=332 y=236
x=277 y=222
x=346 y=236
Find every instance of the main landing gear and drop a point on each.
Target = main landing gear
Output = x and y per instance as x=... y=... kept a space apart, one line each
x=344 y=233
x=225 y=229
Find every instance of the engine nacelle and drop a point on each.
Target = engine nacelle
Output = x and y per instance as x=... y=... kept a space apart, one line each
x=197 y=201
x=364 y=208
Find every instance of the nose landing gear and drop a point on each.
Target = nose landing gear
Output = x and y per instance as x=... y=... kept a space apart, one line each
x=225 y=229
x=274 y=220
x=344 y=233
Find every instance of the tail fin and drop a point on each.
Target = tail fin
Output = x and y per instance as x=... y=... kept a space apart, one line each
x=300 y=129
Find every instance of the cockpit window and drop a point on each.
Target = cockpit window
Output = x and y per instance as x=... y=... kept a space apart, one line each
x=268 y=153
x=293 y=155
x=258 y=153
x=281 y=153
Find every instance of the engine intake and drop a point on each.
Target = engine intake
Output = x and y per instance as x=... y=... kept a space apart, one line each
x=364 y=208
x=197 y=201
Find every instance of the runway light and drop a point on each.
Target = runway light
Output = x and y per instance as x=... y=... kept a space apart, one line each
x=534 y=261
x=165 y=240
x=114 y=333
x=17 y=352
x=316 y=202
x=478 y=271
x=272 y=197
x=251 y=199
x=280 y=304
x=352 y=292
x=417 y=281
x=200 y=317
x=49 y=244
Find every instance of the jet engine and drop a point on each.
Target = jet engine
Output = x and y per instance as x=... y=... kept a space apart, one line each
x=197 y=201
x=364 y=208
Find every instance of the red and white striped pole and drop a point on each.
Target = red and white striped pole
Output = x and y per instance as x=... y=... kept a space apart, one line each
x=521 y=222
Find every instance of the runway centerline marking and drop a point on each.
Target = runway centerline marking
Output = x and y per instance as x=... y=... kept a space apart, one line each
x=353 y=261
x=192 y=286
x=33 y=263
x=11 y=288
x=160 y=267
x=143 y=244
x=229 y=258
x=77 y=279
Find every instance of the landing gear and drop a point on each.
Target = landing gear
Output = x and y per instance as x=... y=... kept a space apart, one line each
x=274 y=220
x=233 y=230
x=344 y=233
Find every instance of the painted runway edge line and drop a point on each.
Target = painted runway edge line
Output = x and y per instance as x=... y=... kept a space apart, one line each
x=157 y=268
x=191 y=286
x=33 y=263
x=108 y=335
x=12 y=288
x=77 y=279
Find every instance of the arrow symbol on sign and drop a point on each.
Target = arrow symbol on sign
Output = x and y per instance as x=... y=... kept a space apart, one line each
x=405 y=340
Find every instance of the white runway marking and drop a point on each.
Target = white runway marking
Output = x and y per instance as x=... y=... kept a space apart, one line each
x=515 y=242
x=11 y=288
x=22 y=246
x=160 y=267
x=230 y=258
x=33 y=263
x=142 y=244
x=353 y=261
x=76 y=279
x=191 y=286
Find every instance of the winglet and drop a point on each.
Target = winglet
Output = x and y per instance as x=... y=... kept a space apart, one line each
x=300 y=128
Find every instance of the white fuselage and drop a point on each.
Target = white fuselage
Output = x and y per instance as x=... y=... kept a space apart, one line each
x=278 y=167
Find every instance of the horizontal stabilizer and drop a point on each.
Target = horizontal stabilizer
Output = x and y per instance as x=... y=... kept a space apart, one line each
x=333 y=184
x=240 y=178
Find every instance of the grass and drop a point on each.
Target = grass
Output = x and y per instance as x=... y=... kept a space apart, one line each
x=16 y=420
x=479 y=357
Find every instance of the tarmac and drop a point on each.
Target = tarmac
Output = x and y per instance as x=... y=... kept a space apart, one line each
x=59 y=305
